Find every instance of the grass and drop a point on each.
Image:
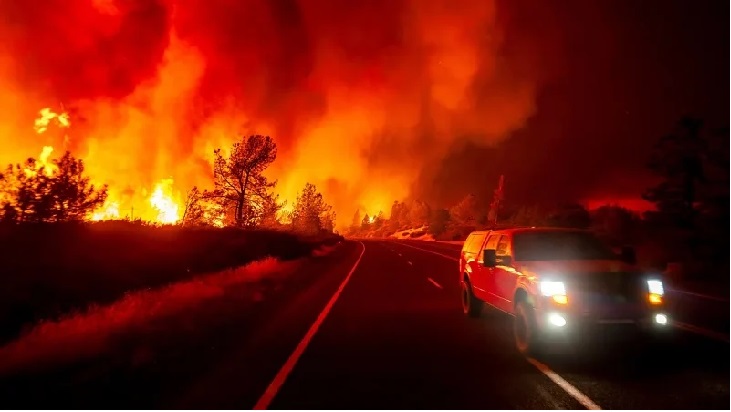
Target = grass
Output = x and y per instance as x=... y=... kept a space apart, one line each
x=84 y=334
x=51 y=270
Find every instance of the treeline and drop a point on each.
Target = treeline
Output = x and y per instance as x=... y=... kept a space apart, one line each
x=59 y=190
x=690 y=222
x=455 y=223
x=243 y=197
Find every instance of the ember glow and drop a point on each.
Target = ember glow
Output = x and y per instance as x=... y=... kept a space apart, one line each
x=144 y=92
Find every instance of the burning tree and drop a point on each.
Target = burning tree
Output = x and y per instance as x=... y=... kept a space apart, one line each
x=465 y=212
x=193 y=213
x=355 y=223
x=311 y=214
x=239 y=185
x=270 y=208
x=57 y=192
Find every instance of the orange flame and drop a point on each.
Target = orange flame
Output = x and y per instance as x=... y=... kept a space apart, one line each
x=46 y=116
x=353 y=127
x=162 y=200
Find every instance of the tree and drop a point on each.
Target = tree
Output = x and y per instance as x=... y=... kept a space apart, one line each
x=238 y=180
x=355 y=222
x=328 y=220
x=399 y=216
x=73 y=197
x=616 y=224
x=311 y=214
x=270 y=208
x=418 y=214
x=365 y=224
x=193 y=212
x=378 y=221
x=692 y=198
x=570 y=215
x=439 y=222
x=32 y=193
x=465 y=212
x=678 y=160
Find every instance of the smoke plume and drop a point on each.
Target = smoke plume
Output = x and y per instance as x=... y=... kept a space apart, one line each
x=361 y=97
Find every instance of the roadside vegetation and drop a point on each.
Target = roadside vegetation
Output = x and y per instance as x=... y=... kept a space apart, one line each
x=56 y=259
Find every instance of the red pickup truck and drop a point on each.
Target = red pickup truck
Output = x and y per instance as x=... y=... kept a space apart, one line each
x=557 y=283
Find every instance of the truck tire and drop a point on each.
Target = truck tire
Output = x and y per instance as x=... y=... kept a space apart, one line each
x=471 y=305
x=525 y=329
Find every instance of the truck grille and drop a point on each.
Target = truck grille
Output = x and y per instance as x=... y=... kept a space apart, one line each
x=608 y=288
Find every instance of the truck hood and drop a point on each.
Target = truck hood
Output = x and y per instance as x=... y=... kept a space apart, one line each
x=572 y=268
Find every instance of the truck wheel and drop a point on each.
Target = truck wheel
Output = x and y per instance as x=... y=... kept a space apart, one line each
x=471 y=305
x=525 y=329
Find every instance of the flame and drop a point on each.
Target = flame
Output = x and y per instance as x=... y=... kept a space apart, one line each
x=43 y=162
x=109 y=211
x=162 y=200
x=160 y=85
x=46 y=116
x=214 y=216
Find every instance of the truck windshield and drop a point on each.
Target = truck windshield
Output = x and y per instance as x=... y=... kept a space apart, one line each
x=560 y=245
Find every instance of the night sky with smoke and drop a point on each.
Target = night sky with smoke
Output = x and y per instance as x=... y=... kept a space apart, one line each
x=371 y=100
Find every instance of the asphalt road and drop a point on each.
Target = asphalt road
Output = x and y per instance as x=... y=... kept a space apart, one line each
x=375 y=324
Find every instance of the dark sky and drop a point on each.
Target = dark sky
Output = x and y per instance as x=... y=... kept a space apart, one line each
x=621 y=73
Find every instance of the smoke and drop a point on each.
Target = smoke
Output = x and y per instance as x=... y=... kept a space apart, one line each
x=360 y=97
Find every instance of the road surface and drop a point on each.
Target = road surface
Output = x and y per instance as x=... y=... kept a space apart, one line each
x=375 y=324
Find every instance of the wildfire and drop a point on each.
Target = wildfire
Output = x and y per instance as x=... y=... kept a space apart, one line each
x=43 y=162
x=110 y=211
x=163 y=204
x=162 y=200
x=46 y=116
x=215 y=217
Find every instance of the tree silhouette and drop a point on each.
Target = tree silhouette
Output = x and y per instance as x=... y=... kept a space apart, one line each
x=193 y=213
x=398 y=212
x=378 y=221
x=365 y=224
x=418 y=213
x=238 y=180
x=616 y=224
x=692 y=199
x=355 y=222
x=439 y=222
x=270 y=208
x=678 y=159
x=570 y=215
x=465 y=212
x=311 y=214
x=31 y=193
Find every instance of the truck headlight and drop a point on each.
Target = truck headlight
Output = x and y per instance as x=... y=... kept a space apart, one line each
x=656 y=290
x=554 y=290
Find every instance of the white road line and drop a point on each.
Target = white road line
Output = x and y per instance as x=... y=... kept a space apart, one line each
x=563 y=384
x=430 y=251
x=700 y=295
x=271 y=391
x=701 y=331
x=433 y=282
x=409 y=262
